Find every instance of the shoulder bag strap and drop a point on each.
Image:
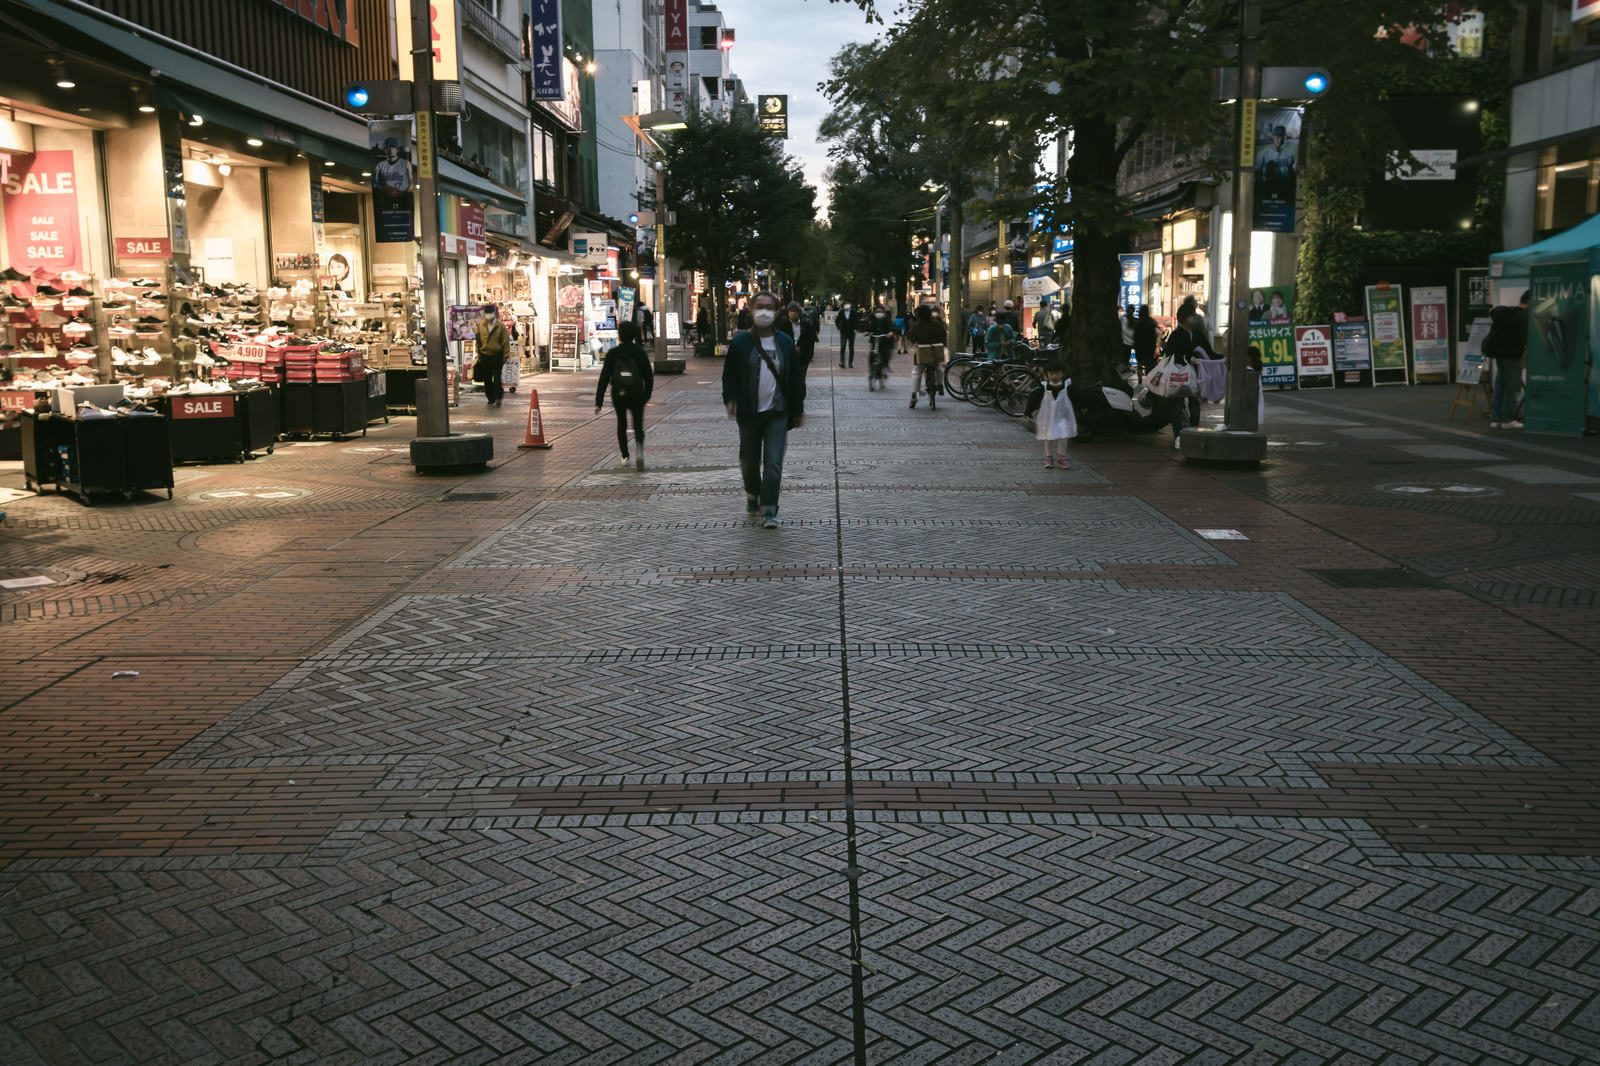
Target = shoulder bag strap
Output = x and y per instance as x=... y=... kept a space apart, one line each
x=777 y=377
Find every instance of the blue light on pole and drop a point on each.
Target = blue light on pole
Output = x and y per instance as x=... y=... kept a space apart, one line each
x=1316 y=83
x=357 y=96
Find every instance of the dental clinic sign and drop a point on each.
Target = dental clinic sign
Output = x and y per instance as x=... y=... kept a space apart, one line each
x=41 y=211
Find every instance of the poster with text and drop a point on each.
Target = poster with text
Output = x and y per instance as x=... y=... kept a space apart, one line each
x=1388 y=330
x=393 y=180
x=1474 y=300
x=1471 y=370
x=1017 y=233
x=41 y=212
x=1277 y=167
x=1430 y=331
x=1558 y=347
x=1313 y=349
x=1352 y=348
x=1272 y=330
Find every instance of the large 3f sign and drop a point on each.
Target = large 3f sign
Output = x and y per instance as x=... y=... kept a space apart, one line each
x=335 y=16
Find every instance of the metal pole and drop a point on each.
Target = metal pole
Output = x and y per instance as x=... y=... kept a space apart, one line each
x=433 y=407
x=1239 y=412
x=663 y=270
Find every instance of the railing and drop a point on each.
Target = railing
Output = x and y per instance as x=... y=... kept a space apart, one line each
x=480 y=20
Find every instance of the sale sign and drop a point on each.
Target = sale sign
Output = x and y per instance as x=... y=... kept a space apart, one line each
x=220 y=406
x=41 y=212
x=144 y=247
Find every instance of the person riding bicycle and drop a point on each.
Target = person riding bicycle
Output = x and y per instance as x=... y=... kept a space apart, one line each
x=927 y=338
x=998 y=338
x=880 y=333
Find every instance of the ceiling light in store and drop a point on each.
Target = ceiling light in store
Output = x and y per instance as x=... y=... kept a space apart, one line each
x=196 y=120
x=327 y=162
x=58 y=71
x=253 y=142
x=148 y=109
x=224 y=169
x=366 y=173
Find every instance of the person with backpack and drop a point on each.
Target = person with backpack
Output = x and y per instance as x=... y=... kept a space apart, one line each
x=628 y=371
x=1506 y=344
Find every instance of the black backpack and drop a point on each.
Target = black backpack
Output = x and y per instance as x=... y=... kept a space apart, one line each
x=627 y=378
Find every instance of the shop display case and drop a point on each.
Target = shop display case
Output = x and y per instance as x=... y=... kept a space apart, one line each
x=216 y=426
x=90 y=456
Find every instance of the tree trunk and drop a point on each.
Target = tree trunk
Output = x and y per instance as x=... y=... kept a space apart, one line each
x=955 y=323
x=1094 y=341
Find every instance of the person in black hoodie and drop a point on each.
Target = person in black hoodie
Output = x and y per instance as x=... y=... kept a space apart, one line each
x=629 y=373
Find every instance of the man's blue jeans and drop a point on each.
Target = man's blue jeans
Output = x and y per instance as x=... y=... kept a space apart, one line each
x=762 y=440
x=1507 y=382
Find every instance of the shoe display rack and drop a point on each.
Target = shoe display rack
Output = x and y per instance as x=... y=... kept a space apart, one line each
x=53 y=332
x=138 y=326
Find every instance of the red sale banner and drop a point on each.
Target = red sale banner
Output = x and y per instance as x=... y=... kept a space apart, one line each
x=41 y=211
x=202 y=407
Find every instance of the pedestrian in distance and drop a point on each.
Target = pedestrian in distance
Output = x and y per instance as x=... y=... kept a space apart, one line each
x=764 y=391
x=1507 y=344
x=998 y=339
x=975 y=327
x=1055 y=421
x=927 y=336
x=1146 y=339
x=492 y=343
x=848 y=324
x=880 y=335
x=628 y=371
x=804 y=332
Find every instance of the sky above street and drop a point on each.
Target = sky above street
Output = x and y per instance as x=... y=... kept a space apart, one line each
x=785 y=46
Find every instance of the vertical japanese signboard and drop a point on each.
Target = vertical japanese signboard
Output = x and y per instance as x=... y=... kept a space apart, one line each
x=1352 y=349
x=1313 y=349
x=442 y=26
x=1474 y=301
x=1558 y=347
x=545 y=32
x=773 y=112
x=1430 y=332
x=1130 y=292
x=1389 y=365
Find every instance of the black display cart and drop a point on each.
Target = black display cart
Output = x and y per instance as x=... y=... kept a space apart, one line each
x=400 y=386
x=377 y=395
x=216 y=426
x=86 y=456
x=334 y=409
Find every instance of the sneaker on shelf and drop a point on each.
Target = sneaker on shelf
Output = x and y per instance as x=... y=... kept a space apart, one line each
x=12 y=274
x=74 y=276
x=122 y=358
x=151 y=356
x=77 y=328
x=49 y=290
x=118 y=283
x=75 y=304
x=79 y=290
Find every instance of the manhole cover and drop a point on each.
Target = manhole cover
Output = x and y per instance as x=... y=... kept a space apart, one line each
x=1385 y=578
x=22 y=578
x=1447 y=489
x=267 y=493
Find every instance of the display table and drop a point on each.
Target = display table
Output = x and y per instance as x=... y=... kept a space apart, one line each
x=325 y=408
x=212 y=426
x=86 y=456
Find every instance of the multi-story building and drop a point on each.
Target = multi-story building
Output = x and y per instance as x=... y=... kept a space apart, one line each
x=710 y=61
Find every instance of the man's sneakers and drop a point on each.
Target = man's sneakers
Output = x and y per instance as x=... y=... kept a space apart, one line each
x=769 y=521
x=752 y=505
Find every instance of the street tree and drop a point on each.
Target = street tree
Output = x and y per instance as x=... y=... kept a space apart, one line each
x=740 y=202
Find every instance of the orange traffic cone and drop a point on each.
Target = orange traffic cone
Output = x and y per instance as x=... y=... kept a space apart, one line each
x=534 y=436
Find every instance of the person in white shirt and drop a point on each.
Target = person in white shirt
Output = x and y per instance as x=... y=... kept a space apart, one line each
x=764 y=390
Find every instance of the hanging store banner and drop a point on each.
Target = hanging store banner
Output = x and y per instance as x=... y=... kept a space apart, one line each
x=1430 y=332
x=1352 y=348
x=677 y=25
x=1277 y=164
x=589 y=247
x=545 y=31
x=1017 y=233
x=1388 y=335
x=1130 y=292
x=1558 y=348
x=393 y=180
x=446 y=30
x=773 y=111
x=461 y=227
x=41 y=212
x=1272 y=331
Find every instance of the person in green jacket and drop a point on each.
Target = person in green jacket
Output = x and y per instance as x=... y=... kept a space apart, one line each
x=492 y=346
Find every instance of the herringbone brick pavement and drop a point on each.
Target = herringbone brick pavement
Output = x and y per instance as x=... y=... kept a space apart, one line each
x=551 y=765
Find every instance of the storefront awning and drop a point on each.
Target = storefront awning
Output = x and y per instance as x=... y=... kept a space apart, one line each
x=196 y=85
x=457 y=179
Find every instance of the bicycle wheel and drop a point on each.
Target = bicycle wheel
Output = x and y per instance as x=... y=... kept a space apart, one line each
x=983 y=385
x=955 y=373
x=1011 y=395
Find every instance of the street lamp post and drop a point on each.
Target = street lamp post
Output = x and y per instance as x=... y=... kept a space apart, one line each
x=663 y=268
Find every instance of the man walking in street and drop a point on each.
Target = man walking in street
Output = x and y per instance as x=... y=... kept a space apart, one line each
x=492 y=345
x=846 y=321
x=764 y=390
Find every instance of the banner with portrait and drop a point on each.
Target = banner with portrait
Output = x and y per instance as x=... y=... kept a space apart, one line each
x=1277 y=168
x=1271 y=316
x=393 y=180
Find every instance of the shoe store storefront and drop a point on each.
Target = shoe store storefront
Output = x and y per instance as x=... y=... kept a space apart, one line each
x=187 y=243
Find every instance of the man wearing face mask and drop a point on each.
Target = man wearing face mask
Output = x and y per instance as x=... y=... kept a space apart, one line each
x=764 y=390
x=492 y=345
x=848 y=324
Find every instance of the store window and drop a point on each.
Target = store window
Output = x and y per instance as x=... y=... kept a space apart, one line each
x=544 y=157
x=1569 y=185
x=498 y=148
x=709 y=37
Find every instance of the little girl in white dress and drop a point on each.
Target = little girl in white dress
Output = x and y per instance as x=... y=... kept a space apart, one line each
x=1055 y=423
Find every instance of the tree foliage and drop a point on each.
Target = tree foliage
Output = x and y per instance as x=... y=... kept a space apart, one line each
x=740 y=202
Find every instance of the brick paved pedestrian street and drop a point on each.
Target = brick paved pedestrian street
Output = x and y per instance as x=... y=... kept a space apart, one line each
x=566 y=763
